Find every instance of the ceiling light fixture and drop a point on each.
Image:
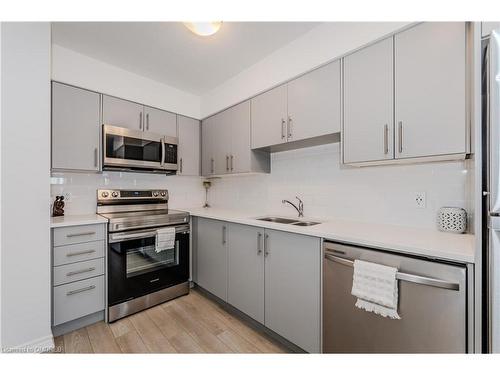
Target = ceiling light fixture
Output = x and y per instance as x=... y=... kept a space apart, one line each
x=203 y=28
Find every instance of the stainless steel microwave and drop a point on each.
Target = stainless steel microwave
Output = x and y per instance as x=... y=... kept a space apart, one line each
x=138 y=151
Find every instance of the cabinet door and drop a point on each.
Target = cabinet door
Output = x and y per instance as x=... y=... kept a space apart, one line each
x=246 y=270
x=160 y=122
x=211 y=256
x=314 y=103
x=189 y=146
x=221 y=137
x=269 y=116
x=368 y=110
x=239 y=125
x=75 y=128
x=430 y=90
x=120 y=112
x=292 y=287
x=207 y=149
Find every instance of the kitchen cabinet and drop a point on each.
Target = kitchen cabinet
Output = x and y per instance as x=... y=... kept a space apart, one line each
x=123 y=113
x=160 y=122
x=268 y=273
x=430 y=83
x=189 y=146
x=314 y=103
x=368 y=85
x=226 y=145
x=246 y=270
x=211 y=256
x=488 y=27
x=292 y=287
x=269 y=118
x=75 y=128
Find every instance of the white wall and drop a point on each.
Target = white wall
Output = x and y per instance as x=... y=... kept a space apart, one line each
x=383 y=194
x=80 y=70
x=25 y=169
x=320 y=45
x=184 y=191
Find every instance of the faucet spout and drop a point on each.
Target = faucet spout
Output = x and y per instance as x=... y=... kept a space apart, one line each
x=299 y=208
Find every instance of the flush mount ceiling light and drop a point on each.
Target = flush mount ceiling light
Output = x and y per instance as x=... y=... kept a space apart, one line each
x=203 y=28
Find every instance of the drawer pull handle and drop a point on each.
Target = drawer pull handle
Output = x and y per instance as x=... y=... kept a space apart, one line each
x=80 y=253
x=72 y=273
x=80 y=234
x=76 y=291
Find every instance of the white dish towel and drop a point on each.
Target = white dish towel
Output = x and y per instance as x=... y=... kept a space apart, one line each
x=165 y=239
x=376 y=287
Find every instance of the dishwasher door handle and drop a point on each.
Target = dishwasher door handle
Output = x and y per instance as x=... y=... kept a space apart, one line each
x=416 y=279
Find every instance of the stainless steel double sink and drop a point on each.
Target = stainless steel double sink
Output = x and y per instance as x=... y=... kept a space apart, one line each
x=283 y=220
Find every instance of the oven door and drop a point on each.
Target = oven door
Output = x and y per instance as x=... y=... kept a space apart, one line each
x=133 y=149
x=135 y=269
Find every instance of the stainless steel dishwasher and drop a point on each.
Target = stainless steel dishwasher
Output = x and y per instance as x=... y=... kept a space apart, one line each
x=432 y=305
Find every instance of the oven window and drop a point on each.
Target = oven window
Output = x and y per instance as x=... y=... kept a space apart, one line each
x=127 y=148
x=141 y=257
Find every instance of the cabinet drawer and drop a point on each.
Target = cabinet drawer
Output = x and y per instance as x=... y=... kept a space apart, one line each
x=78 y=271
x=78 y=234
x=78 y=252
x=75 y=300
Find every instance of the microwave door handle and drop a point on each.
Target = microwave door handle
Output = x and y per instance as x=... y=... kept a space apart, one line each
x=162 y=161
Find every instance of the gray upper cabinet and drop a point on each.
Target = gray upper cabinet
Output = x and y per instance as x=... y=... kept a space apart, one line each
x=314 y=103
x=292 y=287
x=368 y=130
x=226 y=145
x=75 y=128
x=211 y=256
x=160 y=122
x=430 y=83
x=123 y=113
x=269 y=118
x=189 y=146
x=246 y=270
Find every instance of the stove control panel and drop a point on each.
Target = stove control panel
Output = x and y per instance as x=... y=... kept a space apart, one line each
x=107 y=195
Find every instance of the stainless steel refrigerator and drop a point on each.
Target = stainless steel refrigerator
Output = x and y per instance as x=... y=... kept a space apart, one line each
x=491 y=184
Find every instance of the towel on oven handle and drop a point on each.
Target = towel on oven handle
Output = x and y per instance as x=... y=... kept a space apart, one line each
x=165 y=239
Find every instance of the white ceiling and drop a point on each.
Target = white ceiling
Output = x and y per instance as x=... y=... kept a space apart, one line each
x=169 y=53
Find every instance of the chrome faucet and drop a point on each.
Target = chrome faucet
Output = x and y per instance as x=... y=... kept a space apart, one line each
x=300 y=208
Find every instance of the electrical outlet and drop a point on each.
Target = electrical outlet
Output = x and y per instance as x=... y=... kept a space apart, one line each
x=420 y=199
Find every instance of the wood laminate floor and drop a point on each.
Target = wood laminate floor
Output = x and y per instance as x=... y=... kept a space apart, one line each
x=189 y=324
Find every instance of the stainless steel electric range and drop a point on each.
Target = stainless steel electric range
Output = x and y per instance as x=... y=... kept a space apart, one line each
x=138 y=276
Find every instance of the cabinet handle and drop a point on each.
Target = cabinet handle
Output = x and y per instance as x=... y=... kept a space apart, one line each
x=180 y=166
x=71 y=292
x=386 y=139
x=95 y=157
x=147 y=121
x=400 y=125
x=79 y=234
x=74 y=254
x=283 y=124
x=224 y=235
x=289 y=127
x=140 y=120
x=266 y=245
x=72 y=273
x=232 y=163
x=212 y=165
x=227 y=163
x=259 y=240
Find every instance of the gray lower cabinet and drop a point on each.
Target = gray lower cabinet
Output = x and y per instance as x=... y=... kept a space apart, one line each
x=78 y=272
x=75 y=128
x=271 y=276
x=246 y=270
x=211 y=256
x=293 y=285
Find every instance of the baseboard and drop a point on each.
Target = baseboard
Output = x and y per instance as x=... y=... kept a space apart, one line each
x=73 y=325
x=40 y=345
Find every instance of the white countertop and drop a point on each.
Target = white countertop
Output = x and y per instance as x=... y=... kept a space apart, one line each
x=72 y=220
x=418 y=241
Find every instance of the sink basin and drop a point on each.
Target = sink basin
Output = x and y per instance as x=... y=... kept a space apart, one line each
x=280 y=220
x=305 y=223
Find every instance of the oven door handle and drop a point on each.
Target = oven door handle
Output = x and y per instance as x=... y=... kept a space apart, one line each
x=117 y=237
